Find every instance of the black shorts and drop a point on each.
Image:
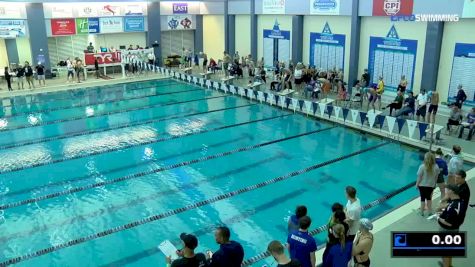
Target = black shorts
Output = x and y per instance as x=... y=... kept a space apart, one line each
x=440 y=178
x=298 y=81
x=433 y=109
x=421 y=111
x=426 y=193
x=205 y=63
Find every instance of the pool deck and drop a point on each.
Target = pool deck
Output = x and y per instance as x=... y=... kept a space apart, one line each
x=401 y=219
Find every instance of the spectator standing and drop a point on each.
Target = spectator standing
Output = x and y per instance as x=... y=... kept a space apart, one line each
x=230 y=253
x=29 y=75
x=464 y=192
x=302 y=245
x=460 y=97
x=340 y=253
x=188 y=256
x=455 y=163
x=421 y=105
x=353 y=212
x=226 y=62
x=151 y=58
x=205 y=61
x=70 y=68
x=365 y=78
x=96 y=67
x=20 y=75
x=402 y=84
x=452 y=217
x=276 y=249
x=8 y=78
x=426 y=181
x=338 y=217
x=470 y=124
x=434 y=106
x=443 y=171
x=363 y=244
x=40 y=73
x=293 y=223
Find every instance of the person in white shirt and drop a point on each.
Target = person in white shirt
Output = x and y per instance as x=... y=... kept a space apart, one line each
x=70 y=68
x=421 y=105
x=353 y=212
x=151 y=58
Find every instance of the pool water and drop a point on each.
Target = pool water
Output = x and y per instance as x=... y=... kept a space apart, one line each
x=79 y=162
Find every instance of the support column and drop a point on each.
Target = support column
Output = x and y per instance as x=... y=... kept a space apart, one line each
x=354 y=46
x=199 y=34
x=231 y=35
x=430 y=67
x=253 y=30
x=154 y=33
x=38 y=37
x=12 y=51
x=297 y=38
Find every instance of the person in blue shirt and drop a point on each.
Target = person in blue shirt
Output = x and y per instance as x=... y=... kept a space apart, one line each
x=230 y=253
x=470 y=124
x=302 y=245
x=293 y=223
x=444 y=171
x=340 y=253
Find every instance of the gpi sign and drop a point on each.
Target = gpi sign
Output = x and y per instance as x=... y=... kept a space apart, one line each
x=392 y=7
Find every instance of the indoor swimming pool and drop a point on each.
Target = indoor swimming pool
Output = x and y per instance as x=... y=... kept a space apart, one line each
x=101 y=176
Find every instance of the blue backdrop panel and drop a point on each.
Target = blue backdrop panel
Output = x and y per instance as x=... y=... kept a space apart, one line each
x=463 y=68
x=327 y=50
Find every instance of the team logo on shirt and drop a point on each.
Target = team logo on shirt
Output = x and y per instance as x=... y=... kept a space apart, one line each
x=392 y=7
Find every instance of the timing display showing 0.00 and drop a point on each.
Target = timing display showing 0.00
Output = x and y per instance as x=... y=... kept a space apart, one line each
x=428 y=244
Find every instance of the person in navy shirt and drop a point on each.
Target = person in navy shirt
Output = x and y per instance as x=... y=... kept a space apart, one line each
x=302 y=245
x=293 y=224
x=230 y=253
x=444 y=171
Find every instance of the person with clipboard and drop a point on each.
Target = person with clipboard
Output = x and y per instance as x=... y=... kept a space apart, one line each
x=187 y=255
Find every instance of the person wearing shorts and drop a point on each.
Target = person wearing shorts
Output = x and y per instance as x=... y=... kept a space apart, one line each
x=434 y=106
x=421 y=101
x=40 y=72
x=426 y=181
x=70 y=68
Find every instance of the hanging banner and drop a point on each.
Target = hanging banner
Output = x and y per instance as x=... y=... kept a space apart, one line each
x=180 y=8
x=111 y=25
x=87 y=25
x=87 y=10
x=179 y=22
x=371 y=118
x=325 y=7
x=463 y=67
x=337 y=112
x=12 y=28
x=392 y=7
x=134 y=10
x=391 y=122
x=391 y=58
x=134 y=24
x=61 y=11
x=11 y=11
x=468 y=9
x=102 y=58
x=109 y=10
x=354 y=115
x=276 y=45
x=273 y=7
x=63 y=27
x=327 y=50
x=411 y=125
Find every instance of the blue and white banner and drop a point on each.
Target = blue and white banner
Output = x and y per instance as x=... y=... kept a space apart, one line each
x=463 y=68
x=12 y=28
x=327 y=50
x=324 y=7
x=276 y=45
x=391 y=58
x=134 y=24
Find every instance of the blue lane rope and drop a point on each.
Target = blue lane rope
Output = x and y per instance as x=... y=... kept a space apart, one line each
x=323 y=228
x=111 y=128
x=89 y=90
x=100 y=114
x=155 y=140
x=156 y=170
x=135 y=165
x=97 y=103
x=182 y=209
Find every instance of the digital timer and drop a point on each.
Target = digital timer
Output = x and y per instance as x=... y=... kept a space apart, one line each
x=428 y=244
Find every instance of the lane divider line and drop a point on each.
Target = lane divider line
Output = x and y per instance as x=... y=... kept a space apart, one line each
x=155 y=140
x=323 y=228
x=182 y=209
x=156 y=170
x=109 y=89
x=111 y=128
x=122 y=168
x=82 y=117
x=97 y=103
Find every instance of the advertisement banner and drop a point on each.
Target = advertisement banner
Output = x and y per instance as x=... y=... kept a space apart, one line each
x=102 y=58
x=134 y=24
x=108 y=10
x=325 y=7
x=87 y=25
x=468 y=9
x=134 y=10
x=10 y=11
x=179 y=22
x=87 y=10
x=12 y=28
x=63 y=27
x=392 y=7
x=273 y=6
x=111 y=25
x=180 y=8
x=62 y=11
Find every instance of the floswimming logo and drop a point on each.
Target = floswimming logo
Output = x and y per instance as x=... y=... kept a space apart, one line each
x=427 y=17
